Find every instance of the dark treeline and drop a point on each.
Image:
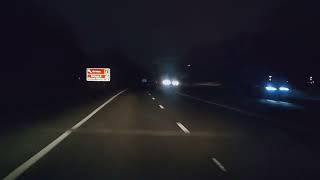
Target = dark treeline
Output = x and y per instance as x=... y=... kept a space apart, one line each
x=40 y=53
x=42 y=63
x=286 y=43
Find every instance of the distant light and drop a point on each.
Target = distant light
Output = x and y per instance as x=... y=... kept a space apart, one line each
x=311 y=78
x=270 y=88
x=166 y=82
x=189 y=65
x=282 y=88
x=175 y=83
x=144 y=80
x=270 y=76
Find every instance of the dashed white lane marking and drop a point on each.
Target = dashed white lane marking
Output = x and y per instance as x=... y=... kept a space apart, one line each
x=26 y=165
x=219 y=164
x=184 y=129
x=153 y=98
x=161 y=106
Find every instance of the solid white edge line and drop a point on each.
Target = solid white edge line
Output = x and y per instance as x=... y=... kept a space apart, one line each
x=183 y=128
x=161 y=106
x=219 y=164
x=96 y=110
x=26 y=165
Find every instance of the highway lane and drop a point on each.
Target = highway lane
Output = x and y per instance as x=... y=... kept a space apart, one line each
x=297 y=118
x=150 y=134
x=32 y=131
x=256 y=147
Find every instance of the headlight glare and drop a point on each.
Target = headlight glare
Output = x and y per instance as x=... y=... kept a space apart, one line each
x=166 y=82
x=270 y=88
x=175 y=83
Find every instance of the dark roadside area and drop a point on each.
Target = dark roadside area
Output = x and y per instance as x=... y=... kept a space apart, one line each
x=25 y=107
x=30 y=120
x=299 y=118
x=43 y=68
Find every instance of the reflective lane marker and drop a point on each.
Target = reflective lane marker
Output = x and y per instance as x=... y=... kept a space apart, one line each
x=153 y=98
x=184 y=129
x=161 y=106
x=219 y=164
x=26 y=165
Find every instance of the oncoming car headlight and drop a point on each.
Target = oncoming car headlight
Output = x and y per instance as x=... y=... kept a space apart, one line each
x=270 y=88
x=166 y=82
x=283 y=88
x=175 y=83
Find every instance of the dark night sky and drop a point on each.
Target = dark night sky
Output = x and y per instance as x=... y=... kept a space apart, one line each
x=47 y=44
x=222 y=37
x=155 y=29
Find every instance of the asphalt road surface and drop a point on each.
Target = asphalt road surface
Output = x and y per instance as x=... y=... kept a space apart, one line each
x=147 y=134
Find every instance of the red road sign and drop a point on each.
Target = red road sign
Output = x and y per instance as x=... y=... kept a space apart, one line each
x=98 y=74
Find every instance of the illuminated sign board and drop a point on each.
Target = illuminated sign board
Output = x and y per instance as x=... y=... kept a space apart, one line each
x=98 y=74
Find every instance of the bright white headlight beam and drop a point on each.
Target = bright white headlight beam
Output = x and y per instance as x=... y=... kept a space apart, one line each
x=175 y=83
x=166 y=82
x=270 y=88
x=282 y=88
